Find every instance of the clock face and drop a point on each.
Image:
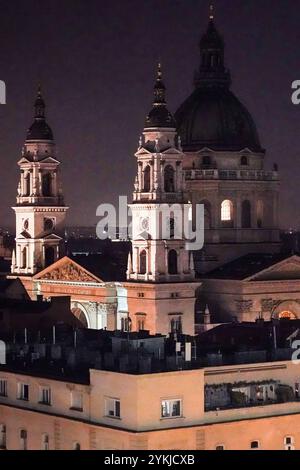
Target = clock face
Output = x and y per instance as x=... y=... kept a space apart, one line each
x=144 y=224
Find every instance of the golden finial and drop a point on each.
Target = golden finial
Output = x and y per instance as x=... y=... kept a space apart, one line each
x=211 y=12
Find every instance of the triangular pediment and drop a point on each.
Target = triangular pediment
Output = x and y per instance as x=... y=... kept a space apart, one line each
x=52 y=236
x=288 y=269
x=49 y=160
x=67 y=270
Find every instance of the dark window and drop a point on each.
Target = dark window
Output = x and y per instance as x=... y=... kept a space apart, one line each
x=143 y=262
x=27 y=185
x=244 y=161
x=254 y=445
x=169 y=179
x=246 y=214
x=147 y=172
x=46 y=185
x=172 y=262
x=49 y=256
x=206 y=161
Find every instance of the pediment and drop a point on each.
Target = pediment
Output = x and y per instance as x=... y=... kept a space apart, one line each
x=288 y=269
x=52 y=236
x=50 y=160
x=67 y=270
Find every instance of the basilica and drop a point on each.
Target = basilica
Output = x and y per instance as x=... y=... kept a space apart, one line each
x=208 y=153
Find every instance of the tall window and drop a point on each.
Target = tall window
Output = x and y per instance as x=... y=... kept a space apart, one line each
x=141 y=324
x=207 y=214
x=143 y=262
x=45 y=442
x=23 y=391
x=76 y=401
x=23 y=439
x=126 y=324
x=2 y=436
x=169 y=179
x=24 y=257
x=49 y=255
x=3 y=388
x=246 y=214
x=27 y=185
x=176 y=325
x=206 y=160
x=289 y=443
x=45 y=396
x=147 y=175
x=244 y=161
x=46 y=185
x=227 y=213
x=172 y=262
x=171 y=409
x=76 y=446
x=260 y=213
x=112 y=408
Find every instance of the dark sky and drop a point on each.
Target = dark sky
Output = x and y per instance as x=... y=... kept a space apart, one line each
x=96 y=60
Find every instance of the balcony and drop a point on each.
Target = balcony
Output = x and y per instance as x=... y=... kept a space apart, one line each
x=231 y=175
x=222 y=397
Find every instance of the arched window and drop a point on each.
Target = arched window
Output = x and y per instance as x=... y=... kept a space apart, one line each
x=147 y=173
x=76 y=446
x=172 y=262
x=49 y=255
x=81 y=316
x=143 y=262
x=46 y=185
x=141 y=323
x=45 y=442
x=23 y=439
x=27 y=185
x=176 y=325
x=260 y=213
x=169 y=179
x=172 y=227
x=227 y=213
x=244 y=161
x=246 y=214
x=24 y=258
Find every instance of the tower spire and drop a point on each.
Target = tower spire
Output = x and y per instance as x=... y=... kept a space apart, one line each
x=159 y=116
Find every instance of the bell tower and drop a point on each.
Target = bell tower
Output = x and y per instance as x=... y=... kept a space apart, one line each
x=159 y=201
x=40 y=209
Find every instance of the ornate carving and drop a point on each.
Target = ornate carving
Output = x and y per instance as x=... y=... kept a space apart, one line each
x=68 y=272
x=243 y=306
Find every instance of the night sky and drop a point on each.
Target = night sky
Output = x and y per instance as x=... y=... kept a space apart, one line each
x=96 y=61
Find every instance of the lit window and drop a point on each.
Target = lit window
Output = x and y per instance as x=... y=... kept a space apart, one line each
x=23 y=391
x=76 y=401
x=3 y=388
x=112 y=408
x=171 y=409
x=45 y=395
x=289 y=443
x=226 y=211
x=254 y=445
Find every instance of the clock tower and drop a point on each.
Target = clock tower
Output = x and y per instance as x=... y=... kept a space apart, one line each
x=159 y=203
x=40 y=209
x=160 y=292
